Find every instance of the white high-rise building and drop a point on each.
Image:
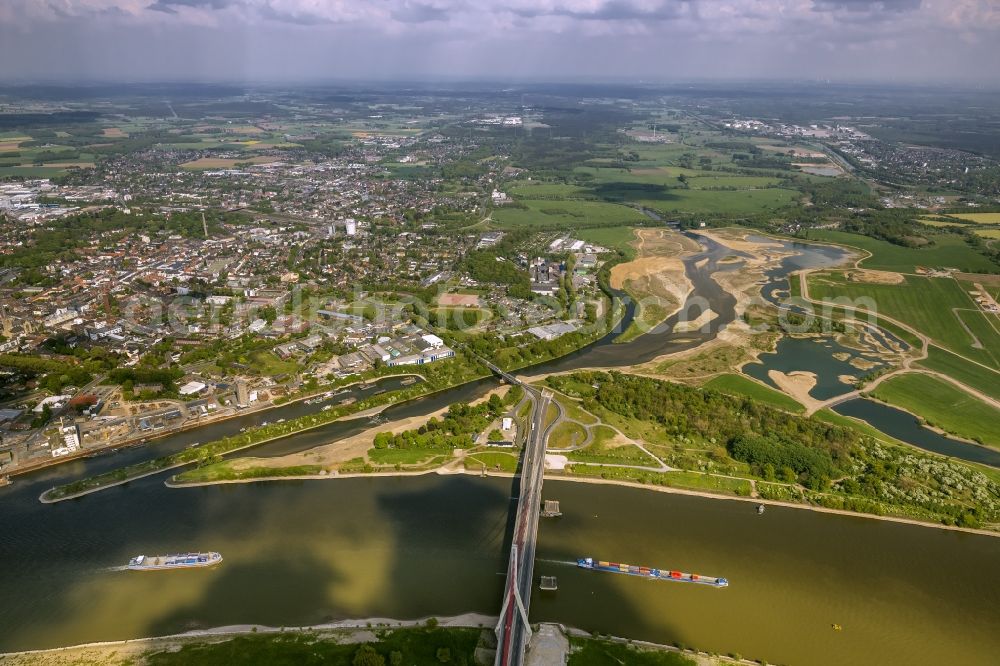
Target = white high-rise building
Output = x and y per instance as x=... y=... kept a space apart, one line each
x=351 y=226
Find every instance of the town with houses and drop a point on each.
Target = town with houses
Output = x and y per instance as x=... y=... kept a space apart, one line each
x=228 y=289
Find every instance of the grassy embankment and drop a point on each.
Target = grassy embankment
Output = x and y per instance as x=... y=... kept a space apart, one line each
x=962 y=370
x=596 y=652
x=227 y=470
x=734 y=384
x=369 y=646
x=943 y=406
x=419 y=645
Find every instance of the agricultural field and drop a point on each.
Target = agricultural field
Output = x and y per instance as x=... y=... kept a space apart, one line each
x=968 y=373
x=39 y=161
x=943 y=406
x=927 y=305
x=979 y=218
x=613 y=238
x=31 y=171
x=536 y=189
x=660 y=188
x=948 y=251
x=718 y=202
x=564 y=214
x=205 y=163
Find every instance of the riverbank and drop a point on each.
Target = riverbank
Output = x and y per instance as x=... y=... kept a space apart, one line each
x=133 y=650
x=768 y=502
x=552 y=643
x=224 y=446
x=200 y=423
x=597 y=481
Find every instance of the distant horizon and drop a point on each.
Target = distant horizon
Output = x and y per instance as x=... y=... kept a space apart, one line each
x=443 y=80
x=850 y=41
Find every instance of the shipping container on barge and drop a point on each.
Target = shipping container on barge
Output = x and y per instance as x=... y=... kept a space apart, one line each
x=648 y=572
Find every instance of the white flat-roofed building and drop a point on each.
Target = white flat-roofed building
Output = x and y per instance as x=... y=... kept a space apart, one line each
x=191 y=388
x=432 y=340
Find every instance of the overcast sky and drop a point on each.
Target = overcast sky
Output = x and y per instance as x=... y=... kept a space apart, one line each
x=651 y=40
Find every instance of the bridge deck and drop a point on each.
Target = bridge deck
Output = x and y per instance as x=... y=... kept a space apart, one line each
x=513 y=630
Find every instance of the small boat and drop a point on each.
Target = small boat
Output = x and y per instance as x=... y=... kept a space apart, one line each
x=179 y=561
x=5 y=481
x=326 y=408
x=836 y=627
x=760 y=509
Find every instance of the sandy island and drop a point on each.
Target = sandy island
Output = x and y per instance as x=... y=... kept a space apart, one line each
x=797 y=384
x=658 y=273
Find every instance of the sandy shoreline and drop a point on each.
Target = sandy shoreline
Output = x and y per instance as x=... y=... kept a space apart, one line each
x=346 y=632
x=797 y=384
x=133 y=648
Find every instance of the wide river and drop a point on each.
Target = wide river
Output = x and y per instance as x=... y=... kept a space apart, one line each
x=305 y=552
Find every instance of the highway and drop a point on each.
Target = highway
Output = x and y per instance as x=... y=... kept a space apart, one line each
x=513 y=630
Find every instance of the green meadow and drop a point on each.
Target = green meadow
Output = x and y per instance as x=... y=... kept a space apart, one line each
x=739 y=385
x=560 y=214
x=924 y=303
x=943 y=406
x=969 y=373
x=948 y=251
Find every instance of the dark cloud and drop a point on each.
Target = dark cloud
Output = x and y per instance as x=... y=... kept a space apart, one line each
x=613 y=10
x=267 y=11
x=169 y=6
x=867 y=5
x=418 y=12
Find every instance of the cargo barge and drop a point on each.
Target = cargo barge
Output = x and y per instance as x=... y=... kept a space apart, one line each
x=648 y=572
x=181 y=561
